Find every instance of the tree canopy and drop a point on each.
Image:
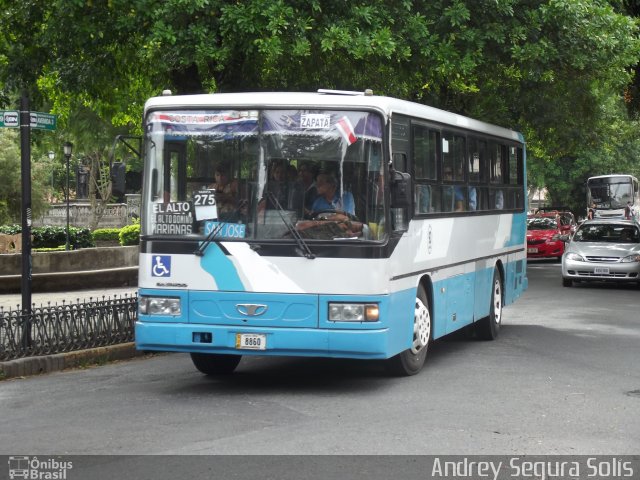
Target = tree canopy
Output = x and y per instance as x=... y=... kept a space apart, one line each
x=560 y=71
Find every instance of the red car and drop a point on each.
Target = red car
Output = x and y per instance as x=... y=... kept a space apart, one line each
x=544 y=231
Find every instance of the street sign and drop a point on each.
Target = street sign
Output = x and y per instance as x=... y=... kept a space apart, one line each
x=43 y=121
x=9 y=118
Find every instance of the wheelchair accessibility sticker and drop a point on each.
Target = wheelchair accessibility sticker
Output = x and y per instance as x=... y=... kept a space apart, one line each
x=161 y=266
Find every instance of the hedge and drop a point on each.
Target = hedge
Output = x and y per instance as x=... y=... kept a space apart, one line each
x=53 y=237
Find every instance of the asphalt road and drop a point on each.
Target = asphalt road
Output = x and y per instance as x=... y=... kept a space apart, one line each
x=562 y=378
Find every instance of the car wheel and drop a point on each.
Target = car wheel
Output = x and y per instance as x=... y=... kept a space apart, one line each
x=567 y=282
x=489 y=327
x=412 y=360
x=215 y=364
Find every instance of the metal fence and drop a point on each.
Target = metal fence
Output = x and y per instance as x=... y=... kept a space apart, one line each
x=68 y=327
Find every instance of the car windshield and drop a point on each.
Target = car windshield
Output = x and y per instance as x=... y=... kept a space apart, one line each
x=609 y=233
x=541 y=223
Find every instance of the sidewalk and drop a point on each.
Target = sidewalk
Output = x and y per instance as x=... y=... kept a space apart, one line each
x=49 y=363
x=13 y=301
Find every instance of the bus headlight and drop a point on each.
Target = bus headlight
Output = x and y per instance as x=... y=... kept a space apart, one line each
x=160 y=306
x=353 y=312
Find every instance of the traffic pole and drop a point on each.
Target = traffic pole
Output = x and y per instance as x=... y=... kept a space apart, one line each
x=25 y=158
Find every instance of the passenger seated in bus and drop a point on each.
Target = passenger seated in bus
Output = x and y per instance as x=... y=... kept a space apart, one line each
x=499 y=200
x=303 y=190
x=456 y=193
x=473 y=199
x=423 y=198
x=277 y=191
x=226 y=193
x=329 y=198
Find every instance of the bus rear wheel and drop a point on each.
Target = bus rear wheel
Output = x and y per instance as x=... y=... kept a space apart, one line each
x=412 y=360
x=489 y=327
x=215 y=364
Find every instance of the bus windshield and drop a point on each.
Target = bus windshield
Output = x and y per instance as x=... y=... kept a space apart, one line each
x=264 y=174
x=610 y=192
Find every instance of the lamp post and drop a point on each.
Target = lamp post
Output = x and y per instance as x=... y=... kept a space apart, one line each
x=67 y=148
x=52 y=156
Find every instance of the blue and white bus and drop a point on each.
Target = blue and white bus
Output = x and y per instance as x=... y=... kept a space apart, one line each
x=328 y=224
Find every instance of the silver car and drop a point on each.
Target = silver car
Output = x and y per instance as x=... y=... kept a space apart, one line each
x=603 y=250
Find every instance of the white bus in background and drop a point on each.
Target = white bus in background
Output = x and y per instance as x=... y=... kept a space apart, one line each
x=608 y=195
x=423 y=235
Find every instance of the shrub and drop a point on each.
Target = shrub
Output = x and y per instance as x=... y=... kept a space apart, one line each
x=106 y=234
x=53 y=237
x=130 y=235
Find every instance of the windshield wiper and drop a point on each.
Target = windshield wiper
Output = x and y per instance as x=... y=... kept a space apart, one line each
x=207 y=241
x=292 y=230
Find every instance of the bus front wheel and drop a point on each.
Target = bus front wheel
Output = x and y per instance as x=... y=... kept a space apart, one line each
x=215 y=364
x=412 y=360
x=489 y=327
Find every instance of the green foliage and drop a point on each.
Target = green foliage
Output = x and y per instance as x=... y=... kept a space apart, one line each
x=106 y=234
x=10 y=186
x=130 y=235
x=53 y=237
x=557 y=70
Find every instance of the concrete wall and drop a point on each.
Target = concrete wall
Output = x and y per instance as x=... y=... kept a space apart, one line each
x=114 y=215
x=75 y=269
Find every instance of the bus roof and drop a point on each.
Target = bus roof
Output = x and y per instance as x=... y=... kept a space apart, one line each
x=386 y=105
x=611 y=175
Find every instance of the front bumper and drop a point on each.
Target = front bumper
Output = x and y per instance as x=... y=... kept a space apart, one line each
x=616 y=272
x=363 y=344
x=545 y=250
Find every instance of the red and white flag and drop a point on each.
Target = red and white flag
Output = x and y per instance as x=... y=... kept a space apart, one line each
x=346 y=130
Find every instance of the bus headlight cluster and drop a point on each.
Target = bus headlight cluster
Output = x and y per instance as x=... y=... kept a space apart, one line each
x=160 y=306
x=353 y=312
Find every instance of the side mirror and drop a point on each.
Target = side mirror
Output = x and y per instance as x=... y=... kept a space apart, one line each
x=400 y=189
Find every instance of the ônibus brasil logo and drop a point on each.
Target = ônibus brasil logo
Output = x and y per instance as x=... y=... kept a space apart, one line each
x=33 y=468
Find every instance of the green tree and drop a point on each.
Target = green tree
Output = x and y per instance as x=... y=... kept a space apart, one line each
x=557 y=70
x=11 y=187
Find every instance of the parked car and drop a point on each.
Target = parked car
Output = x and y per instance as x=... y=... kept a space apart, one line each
x=603 y=250
x=545 y=234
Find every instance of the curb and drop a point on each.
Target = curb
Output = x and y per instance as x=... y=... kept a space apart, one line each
x=24 y=367
x=56 y=281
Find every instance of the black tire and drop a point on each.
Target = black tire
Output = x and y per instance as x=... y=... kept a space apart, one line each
x=488 y=328
x=567 y=282
x=215 y=364
x=412 y=360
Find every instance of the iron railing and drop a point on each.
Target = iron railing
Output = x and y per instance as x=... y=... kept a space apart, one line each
x=50 y=329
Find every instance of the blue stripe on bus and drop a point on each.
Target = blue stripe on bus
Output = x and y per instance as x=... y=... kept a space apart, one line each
x=221 y=268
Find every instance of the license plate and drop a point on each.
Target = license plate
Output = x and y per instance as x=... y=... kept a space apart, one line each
x=601 y=270
x=251 y=341
x=532 y=250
